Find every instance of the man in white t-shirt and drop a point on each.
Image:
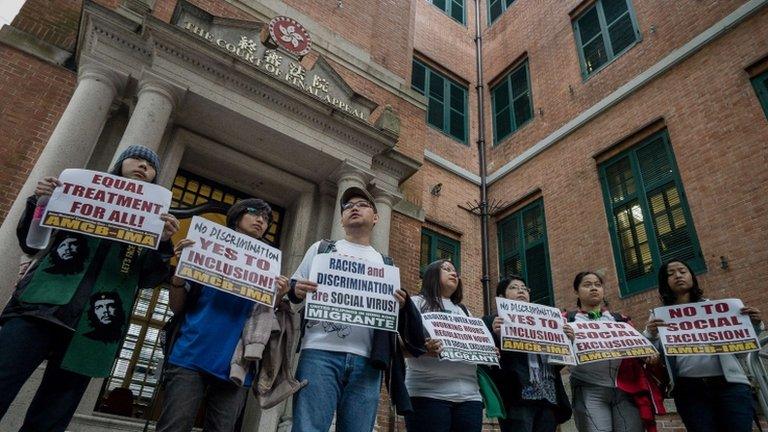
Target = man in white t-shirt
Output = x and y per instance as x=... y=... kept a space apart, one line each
x=343 y=363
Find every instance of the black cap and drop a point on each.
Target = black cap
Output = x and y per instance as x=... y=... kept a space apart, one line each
x=353 y=192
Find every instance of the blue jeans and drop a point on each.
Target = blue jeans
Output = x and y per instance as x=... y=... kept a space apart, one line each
x=714 y=405
x=24 y=344
x=435 y=415
x=343 y=383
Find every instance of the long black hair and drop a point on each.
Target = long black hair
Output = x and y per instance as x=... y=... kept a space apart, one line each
x=501 y=288
x=577 y=281
x=430 y=288
x=668 y=297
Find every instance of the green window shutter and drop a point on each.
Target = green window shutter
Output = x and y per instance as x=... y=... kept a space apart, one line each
x=447 y=101
x=435 y=247
x=452 y=8
x=760 y=83
x=511 y=102
x=496 y=8
x=648 y=216
x=523 y=250
x=603 y=32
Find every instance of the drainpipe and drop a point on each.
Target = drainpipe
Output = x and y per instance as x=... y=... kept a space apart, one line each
x=481 y=153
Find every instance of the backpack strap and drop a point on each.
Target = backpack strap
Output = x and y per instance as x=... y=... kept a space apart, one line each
x=326 y=246
x=464 y=308
x=619 y=317
x=570 y=316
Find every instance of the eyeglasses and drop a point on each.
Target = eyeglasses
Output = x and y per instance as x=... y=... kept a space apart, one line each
x=359 y=204
x=258 y=212
x=522 y=288
x=450 y=270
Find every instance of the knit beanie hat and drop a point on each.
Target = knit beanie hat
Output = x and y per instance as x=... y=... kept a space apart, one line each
x=253 y=205
x=138 y=152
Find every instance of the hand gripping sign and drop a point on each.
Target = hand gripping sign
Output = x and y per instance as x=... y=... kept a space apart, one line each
x=465 y=339
x=604 y=340
x=108 y=206
x=706 y=328
x=229 y=261
x=534 y=328
x=353 y=291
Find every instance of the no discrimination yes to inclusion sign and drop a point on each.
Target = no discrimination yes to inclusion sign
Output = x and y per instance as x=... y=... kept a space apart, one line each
x=353 y=291
x=229 y=261
x=534 y=328
x=108 y=206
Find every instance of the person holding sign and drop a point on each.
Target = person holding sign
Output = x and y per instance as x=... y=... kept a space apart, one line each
x=445 y=394
x=211 y=323
x=532 y=390
x=608 y=395
x=72 y=305
x=342 y=362
x=711 y=392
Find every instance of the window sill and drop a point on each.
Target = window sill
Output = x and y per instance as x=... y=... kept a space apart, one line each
x=453 y=138
x=506 y=139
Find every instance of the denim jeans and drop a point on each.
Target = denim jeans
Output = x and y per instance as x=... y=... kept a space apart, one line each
x=343 y=383
x=24 y=344
x=714 y=405
x=435 y=415
x=185 y=389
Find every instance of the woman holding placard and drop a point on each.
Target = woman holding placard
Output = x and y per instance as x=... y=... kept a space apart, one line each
x=445 y=394
x=607 y=394
x=711 y=392
x=532 y=390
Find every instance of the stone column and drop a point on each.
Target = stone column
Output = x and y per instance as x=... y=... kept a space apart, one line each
x=324 y=217
x=156 y=101
x=171 y=159
x=70 y=146
x=385 y=200
x=347 y=176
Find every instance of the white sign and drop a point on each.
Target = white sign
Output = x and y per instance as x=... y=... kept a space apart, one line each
x=534 y=328
x=706 y=328
x=353 y=291
x=108 y=206
x=229 y=261
x=605 y=340
x=465 y=339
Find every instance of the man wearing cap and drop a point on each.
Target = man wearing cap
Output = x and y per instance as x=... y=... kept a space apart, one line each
x=343 y=363
x=212 y=322
x=51 y=315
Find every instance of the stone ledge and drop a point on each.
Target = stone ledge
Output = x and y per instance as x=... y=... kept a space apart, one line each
x=31 y=45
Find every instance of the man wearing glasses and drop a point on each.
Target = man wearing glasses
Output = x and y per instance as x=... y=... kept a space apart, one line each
x=343 y=363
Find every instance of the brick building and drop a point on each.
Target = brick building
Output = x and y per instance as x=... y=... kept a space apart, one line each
x=619 y=134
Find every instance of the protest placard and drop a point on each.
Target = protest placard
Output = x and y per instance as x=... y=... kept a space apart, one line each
x=108 y=206
x=229 y=261
x=705 y=328
x=534 y=328
x=353 y=291
x=465 y=339
x=605 y=340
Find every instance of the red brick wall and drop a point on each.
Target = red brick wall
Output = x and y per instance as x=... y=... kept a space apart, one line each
x=33 y=94
x=718 y=134
x=55 y=22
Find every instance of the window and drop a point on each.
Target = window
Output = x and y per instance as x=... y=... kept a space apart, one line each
x=760 y=83
x=603 y=32
x=435 y=247
x=447 y=100
x=648 y=215
x=496 y=8
x=452 y=8
x=523 y=250
x=511 y=103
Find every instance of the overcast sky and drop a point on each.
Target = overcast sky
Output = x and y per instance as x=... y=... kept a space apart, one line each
x=8 y=10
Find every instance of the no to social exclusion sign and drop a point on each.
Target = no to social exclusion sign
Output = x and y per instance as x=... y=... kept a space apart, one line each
x=706 y=328
x=353 y=291
x=534 y=328
x=465 y=339
x=600 y=340
x=108 y=206
x=229 y=261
